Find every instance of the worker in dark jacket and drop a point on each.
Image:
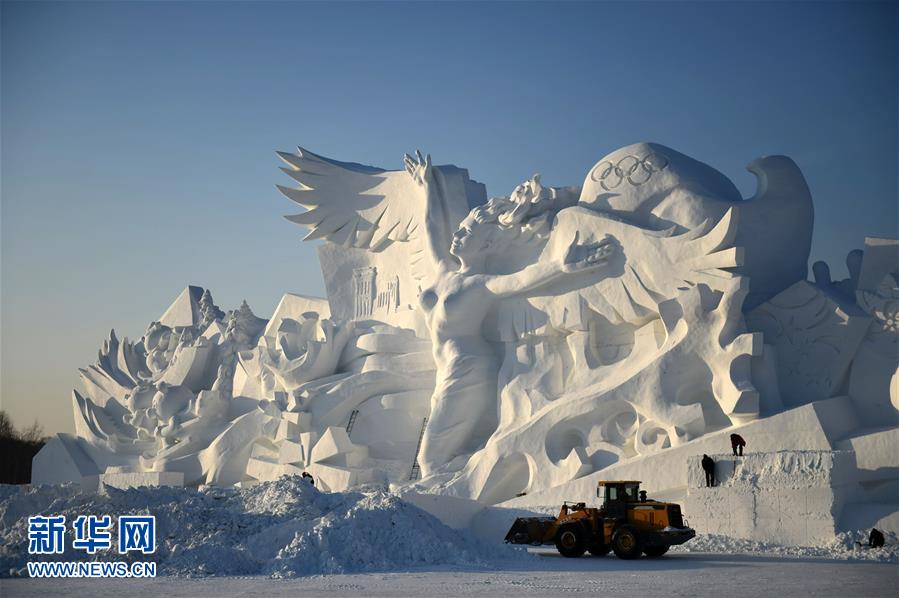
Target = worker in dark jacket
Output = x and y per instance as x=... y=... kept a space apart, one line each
x=737 y=442
x=875 y=540
x=708 y=465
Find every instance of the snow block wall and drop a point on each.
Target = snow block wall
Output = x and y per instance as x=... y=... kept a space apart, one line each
x=875 y=503
x=788 y=497
x=664 y=475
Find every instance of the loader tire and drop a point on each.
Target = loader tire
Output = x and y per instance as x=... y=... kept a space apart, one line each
x=571 y=540
x=626 y=543
x=655 y=552
x=599 y=549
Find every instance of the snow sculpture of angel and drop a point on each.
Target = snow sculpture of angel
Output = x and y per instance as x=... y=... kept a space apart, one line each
x=615 y=255
x=458 y=297
x=368 y=208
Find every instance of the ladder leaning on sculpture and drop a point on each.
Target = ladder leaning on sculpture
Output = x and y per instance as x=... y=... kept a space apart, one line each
x=351 y=422
x=416 y=468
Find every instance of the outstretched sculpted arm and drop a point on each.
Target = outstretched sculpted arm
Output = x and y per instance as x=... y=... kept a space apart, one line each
x=542 y=273
x=437 y=231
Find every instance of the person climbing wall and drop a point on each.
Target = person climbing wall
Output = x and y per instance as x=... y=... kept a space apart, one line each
x=876 y=539
x=708 y=465
x=737 y=442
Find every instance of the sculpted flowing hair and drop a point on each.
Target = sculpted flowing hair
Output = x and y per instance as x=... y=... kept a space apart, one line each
x=527 y=213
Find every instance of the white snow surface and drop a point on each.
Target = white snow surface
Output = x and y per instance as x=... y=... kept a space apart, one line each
x=678 y=575
x=284 y=528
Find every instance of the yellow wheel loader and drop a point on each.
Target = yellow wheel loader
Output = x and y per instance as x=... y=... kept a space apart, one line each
x=626 y=523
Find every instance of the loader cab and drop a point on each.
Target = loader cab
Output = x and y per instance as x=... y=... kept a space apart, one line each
x=616 y=495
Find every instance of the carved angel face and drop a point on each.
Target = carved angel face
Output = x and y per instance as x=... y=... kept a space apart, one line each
x=472 y=237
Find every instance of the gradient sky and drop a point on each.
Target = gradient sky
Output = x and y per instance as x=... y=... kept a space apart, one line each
x=138 y=139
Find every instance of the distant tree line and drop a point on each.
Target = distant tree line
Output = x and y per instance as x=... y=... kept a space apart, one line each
x=17 y=450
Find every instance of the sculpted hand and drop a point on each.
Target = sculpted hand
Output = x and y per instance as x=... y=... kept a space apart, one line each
x=419 y=168
x=586 y=257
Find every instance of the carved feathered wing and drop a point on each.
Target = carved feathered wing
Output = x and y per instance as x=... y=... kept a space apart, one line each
x=646 y=268
x=350 y=204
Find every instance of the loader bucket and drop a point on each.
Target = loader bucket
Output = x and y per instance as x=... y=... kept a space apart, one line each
x=532 y=530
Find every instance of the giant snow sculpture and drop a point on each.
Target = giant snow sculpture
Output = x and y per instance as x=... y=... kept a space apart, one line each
x=521 y=344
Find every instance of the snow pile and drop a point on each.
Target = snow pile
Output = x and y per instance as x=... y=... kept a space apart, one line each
x=283 y=528
x=844 y=547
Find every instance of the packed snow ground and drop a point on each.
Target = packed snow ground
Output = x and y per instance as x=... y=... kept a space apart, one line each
x=693 y=574
x=373 y=543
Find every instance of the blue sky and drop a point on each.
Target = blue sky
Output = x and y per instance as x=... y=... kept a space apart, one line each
x=138 y=139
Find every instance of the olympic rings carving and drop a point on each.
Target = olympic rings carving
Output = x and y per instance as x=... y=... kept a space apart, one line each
x=633 y=169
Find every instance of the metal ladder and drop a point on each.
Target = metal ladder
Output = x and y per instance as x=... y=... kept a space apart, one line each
x=352 y=422
x=416 y=468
